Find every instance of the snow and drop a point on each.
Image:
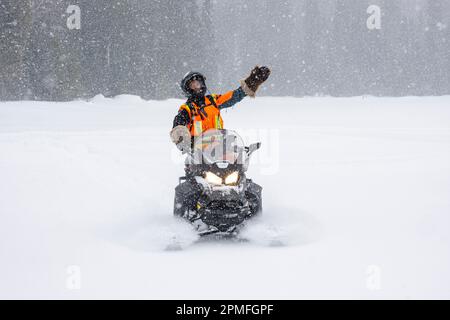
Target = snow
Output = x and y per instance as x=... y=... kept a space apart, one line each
x=356 y=188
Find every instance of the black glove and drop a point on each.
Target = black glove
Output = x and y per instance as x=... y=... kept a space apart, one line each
x=257 y=76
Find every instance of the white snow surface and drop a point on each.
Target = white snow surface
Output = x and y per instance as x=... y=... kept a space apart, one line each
x=357 y=189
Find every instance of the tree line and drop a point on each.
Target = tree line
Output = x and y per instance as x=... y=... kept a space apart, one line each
x=141 y=47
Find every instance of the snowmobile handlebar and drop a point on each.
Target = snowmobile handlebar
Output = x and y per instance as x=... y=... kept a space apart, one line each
x=252 y=148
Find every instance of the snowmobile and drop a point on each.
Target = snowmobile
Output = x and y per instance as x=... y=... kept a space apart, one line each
x=215 y=195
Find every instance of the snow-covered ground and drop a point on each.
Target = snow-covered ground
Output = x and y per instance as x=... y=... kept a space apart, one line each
x=358 y=187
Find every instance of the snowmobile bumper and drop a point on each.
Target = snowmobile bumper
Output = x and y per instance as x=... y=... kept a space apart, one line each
x=224 y=214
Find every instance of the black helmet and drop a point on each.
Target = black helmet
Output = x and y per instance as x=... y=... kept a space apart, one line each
x=188 y=77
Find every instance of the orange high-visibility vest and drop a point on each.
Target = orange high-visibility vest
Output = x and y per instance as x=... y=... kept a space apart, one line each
x=205 y=118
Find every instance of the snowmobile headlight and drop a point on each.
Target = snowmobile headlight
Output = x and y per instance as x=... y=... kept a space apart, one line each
x=232 y=178
x=212 y=178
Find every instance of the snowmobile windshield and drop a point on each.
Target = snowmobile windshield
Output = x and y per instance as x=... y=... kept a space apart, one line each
x=219 y=146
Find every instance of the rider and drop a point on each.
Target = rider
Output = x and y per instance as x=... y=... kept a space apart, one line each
x=200 y=113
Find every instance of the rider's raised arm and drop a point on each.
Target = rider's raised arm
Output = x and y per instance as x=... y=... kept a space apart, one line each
x=229 y=98
x=248 y=87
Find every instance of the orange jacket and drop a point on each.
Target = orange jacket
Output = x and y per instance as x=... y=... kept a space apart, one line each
x=200 y=119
